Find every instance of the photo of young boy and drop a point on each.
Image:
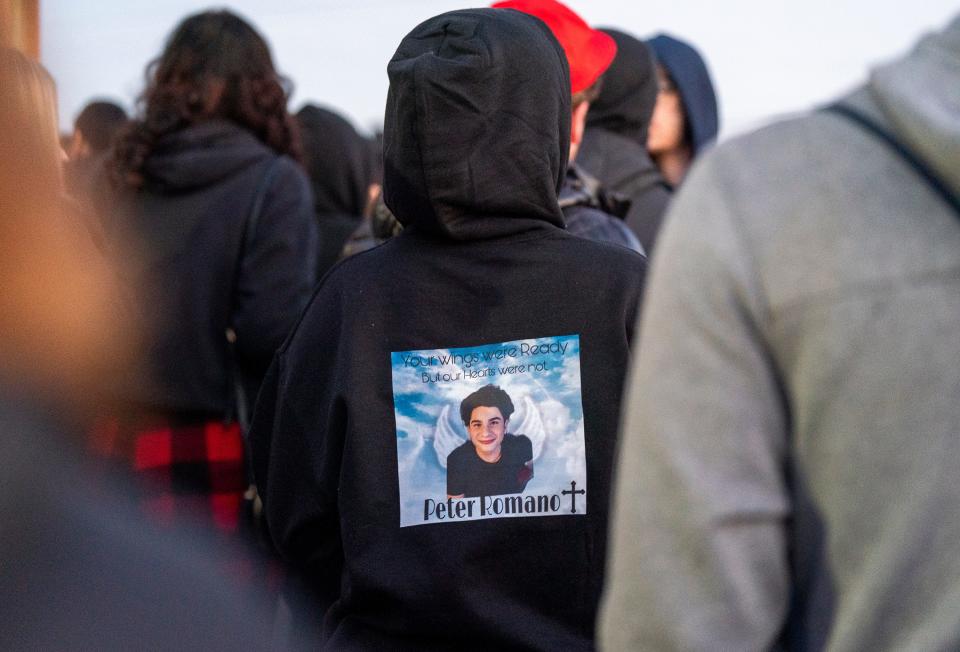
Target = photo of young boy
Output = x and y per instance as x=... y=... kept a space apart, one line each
x=492 y=461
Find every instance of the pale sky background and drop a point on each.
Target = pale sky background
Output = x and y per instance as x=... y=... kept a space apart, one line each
x=767 y=57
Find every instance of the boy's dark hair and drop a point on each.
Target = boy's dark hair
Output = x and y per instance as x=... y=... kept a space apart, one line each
x=99 y=122
x=486 y=396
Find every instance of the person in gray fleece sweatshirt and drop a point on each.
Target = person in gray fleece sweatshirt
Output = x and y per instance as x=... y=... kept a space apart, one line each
x=790 y=463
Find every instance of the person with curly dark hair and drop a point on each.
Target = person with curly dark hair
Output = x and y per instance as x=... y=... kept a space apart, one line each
x=207 y=179
x=215 y=65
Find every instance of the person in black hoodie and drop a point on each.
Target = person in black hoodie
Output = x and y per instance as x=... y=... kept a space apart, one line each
x=207 y=181
x=359 y=410
x=614 y=147
x=342 y=171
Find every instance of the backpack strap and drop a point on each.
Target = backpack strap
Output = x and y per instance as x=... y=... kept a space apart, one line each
x=871 y=126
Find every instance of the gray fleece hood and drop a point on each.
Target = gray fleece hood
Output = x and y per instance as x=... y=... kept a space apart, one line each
x=923 y=111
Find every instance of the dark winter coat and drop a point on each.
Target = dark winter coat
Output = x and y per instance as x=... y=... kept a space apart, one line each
x=614 y=147
x=476 y=138
x=189 y=219
x=590 y=212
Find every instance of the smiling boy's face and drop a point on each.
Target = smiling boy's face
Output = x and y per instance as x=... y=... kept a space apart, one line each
x=486 y=429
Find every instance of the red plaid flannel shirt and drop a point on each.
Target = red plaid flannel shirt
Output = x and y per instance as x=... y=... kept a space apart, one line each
x=190 y=469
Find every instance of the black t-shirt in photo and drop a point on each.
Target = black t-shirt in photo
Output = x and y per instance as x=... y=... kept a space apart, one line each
x=469 y=475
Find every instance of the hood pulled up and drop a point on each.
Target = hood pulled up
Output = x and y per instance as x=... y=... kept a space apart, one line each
x=339 y=162
x=629 y=90
x=477 y=125
x=689 y=72
x=202 y=155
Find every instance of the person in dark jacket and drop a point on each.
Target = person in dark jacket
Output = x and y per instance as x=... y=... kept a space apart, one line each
x=588 y=209
x=342 y=174
x=614 y=147
x=208 y=182
x=685 y=118
x=359 y=411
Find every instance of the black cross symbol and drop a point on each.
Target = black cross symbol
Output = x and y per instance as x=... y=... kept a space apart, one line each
x=572 y=492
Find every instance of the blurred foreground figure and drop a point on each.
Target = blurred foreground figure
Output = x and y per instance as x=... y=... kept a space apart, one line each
x=379 y=405
x=80 y=569
x=685 y=119
x=789 y=465
x=208 y=184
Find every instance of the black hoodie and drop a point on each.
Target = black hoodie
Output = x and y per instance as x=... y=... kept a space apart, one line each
x=614 y=147
x=341 y=168
x=190 y=217
x=363 y=404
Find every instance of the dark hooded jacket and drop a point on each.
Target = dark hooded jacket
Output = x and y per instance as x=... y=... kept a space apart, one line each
x=593 y=213
x=341 y=168
x=689 y=73
x=476 y=138
x=190 y=218
x=614 y=147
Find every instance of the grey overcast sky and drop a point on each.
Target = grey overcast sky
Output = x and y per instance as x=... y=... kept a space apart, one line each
x=767 y=57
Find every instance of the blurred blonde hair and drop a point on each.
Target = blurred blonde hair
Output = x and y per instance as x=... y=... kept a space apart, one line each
x=59 y=330
x=29 y=138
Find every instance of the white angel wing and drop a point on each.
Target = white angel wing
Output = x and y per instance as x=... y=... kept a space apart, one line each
x=530 y=423
x=446 y=437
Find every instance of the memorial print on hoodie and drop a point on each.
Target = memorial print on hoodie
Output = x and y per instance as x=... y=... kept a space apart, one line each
x=490 y=431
